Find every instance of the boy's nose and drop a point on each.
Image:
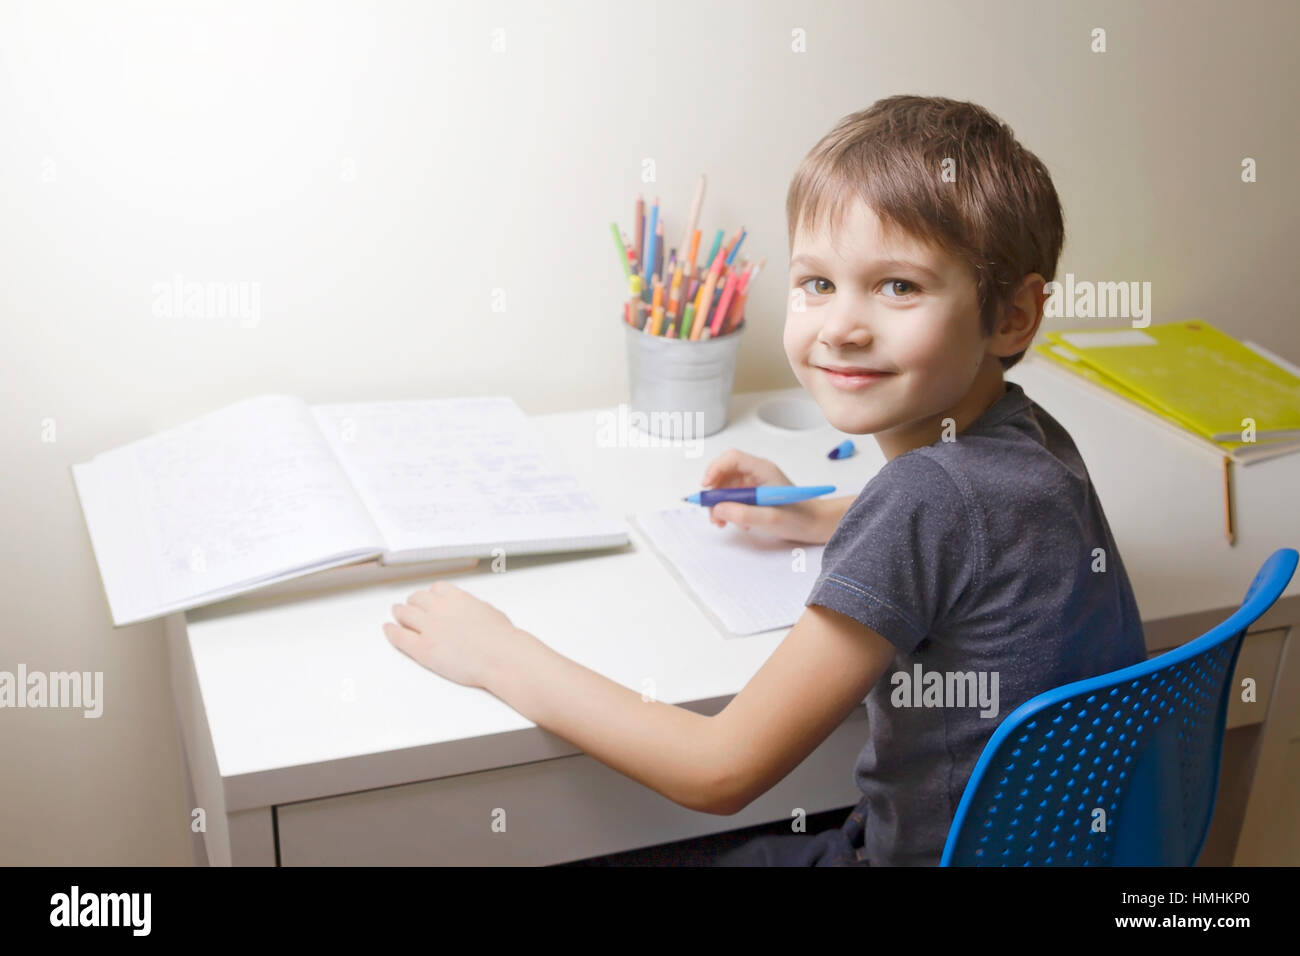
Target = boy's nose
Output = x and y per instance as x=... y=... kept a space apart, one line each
x=843 y=327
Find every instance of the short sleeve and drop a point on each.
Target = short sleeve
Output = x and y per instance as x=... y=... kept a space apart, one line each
x=902 y=555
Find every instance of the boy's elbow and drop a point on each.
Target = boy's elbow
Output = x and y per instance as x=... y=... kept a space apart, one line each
x=723 y=794
x=709 y=799
x=719 y=785
x=727 y=806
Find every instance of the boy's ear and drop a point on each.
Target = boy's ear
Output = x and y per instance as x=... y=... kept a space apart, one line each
x=1019 y=321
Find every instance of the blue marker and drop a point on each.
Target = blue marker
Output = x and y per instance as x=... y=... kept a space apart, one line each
x=651 y=252
x=762 y=495
x=843 y=450
x=736 y=247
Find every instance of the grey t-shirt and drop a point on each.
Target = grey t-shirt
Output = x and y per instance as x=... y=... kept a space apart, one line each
x=980 y=560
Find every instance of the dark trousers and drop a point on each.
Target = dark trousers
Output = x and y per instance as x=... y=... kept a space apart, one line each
x=839 y=847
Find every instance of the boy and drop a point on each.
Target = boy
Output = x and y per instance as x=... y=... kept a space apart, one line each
x=922 y=235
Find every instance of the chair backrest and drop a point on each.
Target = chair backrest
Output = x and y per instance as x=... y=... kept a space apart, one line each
x=1116 y=770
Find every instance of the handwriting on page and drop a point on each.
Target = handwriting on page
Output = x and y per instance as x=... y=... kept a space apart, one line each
x=450 y=470
x=234 y=499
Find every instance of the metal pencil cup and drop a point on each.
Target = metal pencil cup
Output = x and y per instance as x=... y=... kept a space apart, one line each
x=682 y=388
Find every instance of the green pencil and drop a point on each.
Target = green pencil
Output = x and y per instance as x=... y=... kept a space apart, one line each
x=622 y=250
x=687 y=317
x=717 y=241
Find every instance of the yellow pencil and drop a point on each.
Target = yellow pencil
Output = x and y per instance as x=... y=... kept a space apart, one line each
x=634 y=298
x=674 y=293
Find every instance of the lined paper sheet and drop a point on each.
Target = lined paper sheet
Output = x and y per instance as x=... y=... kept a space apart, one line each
x=749 y=581
x=458 y=477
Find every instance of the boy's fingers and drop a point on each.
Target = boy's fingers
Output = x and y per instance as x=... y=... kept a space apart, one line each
x=400 y=637
x=722 y=468
x=746 y=516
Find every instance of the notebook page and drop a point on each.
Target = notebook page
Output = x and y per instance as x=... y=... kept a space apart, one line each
x=749 y=581
x=245 y=494
x=457 y=477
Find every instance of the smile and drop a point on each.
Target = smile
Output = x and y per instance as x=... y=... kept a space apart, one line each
x=852 y=381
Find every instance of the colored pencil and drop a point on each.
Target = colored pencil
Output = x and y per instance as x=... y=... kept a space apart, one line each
x=622 y=250
x=724 y=303
x=705 y=301
x=717 y=240
x=731 y=256
x=651 y=234
x=637 y=237
x=659 y=249
x=675 y=292
x=634 y=298
x=694 y=220
x=737 y=318
x=738 y=303
x=657 y=306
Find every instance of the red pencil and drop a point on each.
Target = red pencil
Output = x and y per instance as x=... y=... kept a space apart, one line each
x=724 y=304
x=737 y=317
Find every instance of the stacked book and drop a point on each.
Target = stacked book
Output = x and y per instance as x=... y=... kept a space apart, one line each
x=1232 y=398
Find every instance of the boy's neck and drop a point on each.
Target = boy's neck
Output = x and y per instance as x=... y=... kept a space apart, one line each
x=988 y=387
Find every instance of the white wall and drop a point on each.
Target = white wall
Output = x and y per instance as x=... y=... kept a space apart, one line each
x=377 y=170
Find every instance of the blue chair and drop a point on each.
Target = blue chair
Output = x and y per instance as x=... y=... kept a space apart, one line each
x=1116 y=770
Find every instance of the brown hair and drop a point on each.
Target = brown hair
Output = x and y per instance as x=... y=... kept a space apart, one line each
x=1001 y=215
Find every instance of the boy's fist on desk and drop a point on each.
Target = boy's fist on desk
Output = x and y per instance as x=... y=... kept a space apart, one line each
x=453 y=633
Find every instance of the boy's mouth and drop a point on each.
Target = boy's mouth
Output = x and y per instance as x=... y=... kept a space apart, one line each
x=850 y=378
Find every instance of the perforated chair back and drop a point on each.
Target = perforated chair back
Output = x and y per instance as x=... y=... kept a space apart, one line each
x=1116 y=770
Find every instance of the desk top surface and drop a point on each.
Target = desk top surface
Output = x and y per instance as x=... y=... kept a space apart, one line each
x=314 y=679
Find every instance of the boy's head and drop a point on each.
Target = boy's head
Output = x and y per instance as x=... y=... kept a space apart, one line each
x=921 y=236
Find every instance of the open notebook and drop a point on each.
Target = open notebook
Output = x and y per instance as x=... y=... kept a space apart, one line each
x=269 y=489
x=746 y=581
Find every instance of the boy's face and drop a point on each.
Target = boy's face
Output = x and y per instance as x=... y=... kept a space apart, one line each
x=905 y=310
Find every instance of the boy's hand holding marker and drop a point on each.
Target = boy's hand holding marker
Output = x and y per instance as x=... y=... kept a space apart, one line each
x=805 y=522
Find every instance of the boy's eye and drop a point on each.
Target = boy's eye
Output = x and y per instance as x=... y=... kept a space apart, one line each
x=826 y=287
x=816 y=291
x=911 y=287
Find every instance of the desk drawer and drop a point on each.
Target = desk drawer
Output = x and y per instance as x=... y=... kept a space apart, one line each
x=1259 y=658
x=552 y=811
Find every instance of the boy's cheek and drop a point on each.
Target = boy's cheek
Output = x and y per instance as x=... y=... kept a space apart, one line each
x=790 y=339
x=928 y=347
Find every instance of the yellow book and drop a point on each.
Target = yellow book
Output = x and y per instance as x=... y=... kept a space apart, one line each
x=1191 y=373
x=1058 y=356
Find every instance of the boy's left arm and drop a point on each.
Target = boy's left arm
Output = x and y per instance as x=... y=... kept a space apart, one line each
x=813 y=680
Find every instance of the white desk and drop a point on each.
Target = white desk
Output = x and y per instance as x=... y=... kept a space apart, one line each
x=310 y=740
